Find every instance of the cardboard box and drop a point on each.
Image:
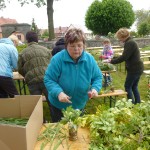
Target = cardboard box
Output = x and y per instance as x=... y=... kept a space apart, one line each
x=13 y=137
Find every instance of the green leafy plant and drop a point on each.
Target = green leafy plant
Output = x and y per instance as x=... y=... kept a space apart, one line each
x=54 y=135
x=71 y=115
x=105 y=66
x=21 y=47
x=148 y=92
x=124 y=127
x=14 y=121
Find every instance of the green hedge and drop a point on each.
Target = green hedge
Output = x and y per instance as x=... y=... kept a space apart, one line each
x=21 y=47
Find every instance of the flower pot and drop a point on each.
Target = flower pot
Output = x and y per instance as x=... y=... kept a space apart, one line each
x=72 y=132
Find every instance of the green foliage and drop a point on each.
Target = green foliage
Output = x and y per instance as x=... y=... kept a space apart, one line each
x=45 y=34
x=14 y=121
x=142 y=16
x=133 y=34
x=53 y=135
x=38 y=3
x=34 y=26
x=70 y=115
x=107 y=16
x=105 y=66
x=148 y=92
x=21 y=47
x=146 y=47
x=144 y=29
x=125 y=127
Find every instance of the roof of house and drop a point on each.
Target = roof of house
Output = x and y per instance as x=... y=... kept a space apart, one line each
x=7 y=21
x=60 y=29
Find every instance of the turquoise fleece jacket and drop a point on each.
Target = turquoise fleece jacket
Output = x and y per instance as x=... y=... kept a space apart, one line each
x=8 y=57
x=74 y=79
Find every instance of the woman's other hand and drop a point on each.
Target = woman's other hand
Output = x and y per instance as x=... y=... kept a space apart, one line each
x=92 y=93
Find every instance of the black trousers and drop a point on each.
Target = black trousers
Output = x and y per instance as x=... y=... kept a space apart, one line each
x=7 y=87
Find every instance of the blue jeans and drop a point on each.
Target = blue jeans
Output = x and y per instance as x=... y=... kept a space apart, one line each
x=131 y=87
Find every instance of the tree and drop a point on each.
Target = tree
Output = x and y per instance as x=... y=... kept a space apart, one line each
x=39 y=3
x=107 y=16
x=34 y=26
x=45 y=34
x=144 y=29
x=142 y=16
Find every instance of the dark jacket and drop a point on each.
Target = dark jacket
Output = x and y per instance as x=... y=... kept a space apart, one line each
x=33 y=62
x=59 y=45
x=131 y=56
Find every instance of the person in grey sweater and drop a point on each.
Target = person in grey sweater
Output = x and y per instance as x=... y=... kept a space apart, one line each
x=32 y=63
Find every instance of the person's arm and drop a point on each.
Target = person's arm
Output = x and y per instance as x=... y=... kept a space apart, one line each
x=51 y=78
x=14 y=57
x=20 y=65
x=97 y=77
x=128 y=50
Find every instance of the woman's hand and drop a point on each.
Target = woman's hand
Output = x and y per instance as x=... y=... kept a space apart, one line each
x=92 y=93
x=64 y=98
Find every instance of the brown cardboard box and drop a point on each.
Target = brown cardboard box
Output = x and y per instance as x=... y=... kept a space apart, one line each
x=13 y=137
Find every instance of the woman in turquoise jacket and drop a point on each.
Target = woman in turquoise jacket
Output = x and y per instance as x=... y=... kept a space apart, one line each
x=72 y=77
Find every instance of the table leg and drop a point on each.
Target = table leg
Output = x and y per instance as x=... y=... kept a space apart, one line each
x=105 y=80
x=19 y=87
x=24 y=87
x=111 y=100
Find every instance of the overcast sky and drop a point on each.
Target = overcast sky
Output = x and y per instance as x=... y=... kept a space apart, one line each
x=66 y=12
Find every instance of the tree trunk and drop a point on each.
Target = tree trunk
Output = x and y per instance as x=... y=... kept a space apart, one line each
x=50 y=19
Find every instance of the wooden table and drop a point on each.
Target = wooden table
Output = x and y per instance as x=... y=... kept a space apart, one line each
x=18 y=77
x=114 y=94
x=146 y=62
x=82 y=143
x=147 y=72
x=145 y=52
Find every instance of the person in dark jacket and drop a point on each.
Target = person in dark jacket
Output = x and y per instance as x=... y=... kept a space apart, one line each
x=133 y=64
x=32 y=63
x=59 y=45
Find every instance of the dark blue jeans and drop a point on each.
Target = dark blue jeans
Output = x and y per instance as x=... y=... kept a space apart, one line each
x=55 y=113
x=39 y=89
x=131 y=87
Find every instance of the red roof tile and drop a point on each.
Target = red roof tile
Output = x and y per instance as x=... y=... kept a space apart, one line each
x=7 y=21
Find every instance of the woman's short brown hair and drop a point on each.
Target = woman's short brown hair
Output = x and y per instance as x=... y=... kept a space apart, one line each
x=122 y=33
x=74 y=35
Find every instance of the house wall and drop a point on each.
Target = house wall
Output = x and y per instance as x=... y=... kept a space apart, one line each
x=18 y=29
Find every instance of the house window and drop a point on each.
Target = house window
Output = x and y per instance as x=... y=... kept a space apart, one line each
x=19 y=37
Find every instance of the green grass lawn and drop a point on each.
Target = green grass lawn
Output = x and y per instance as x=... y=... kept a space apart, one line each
x=118 y=82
